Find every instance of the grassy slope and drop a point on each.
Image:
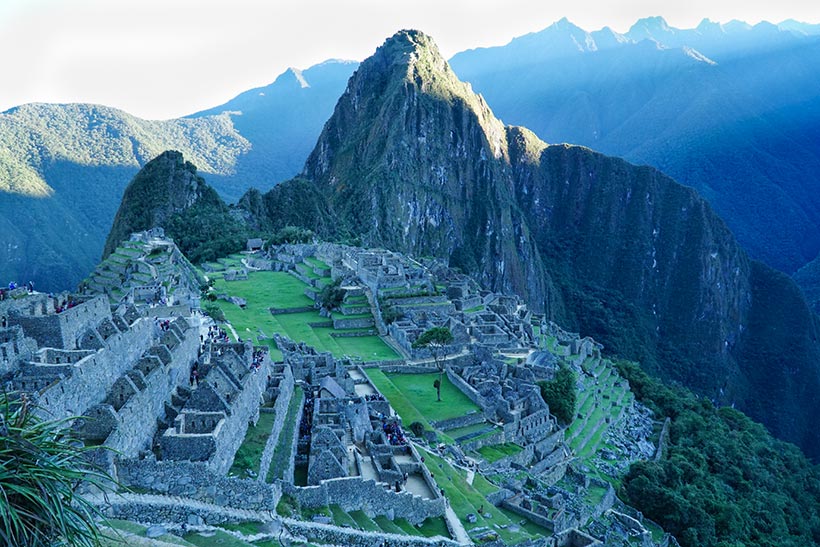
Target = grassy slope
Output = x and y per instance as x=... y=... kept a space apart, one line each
x=264 y=290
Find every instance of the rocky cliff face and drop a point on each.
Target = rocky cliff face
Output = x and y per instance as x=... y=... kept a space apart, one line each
x=414 y=161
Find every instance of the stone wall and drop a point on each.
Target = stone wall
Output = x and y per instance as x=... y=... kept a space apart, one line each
x=488 y=440
x=353 y=494
x=334 y=535
x=244 y=410
x=280 y=409
x=472 y=418
x=137 y=419
x=62 y=330
x=353 y=323
x=466 y=389
x=13 y=348
x=94 y=375
x=294 y=440
x=196 y=481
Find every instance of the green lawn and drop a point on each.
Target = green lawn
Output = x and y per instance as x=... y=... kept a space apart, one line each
x=265 y=290
x=434 y=526
x=401 y=404
x=249 y=453
x=419 y=389
x=494 y=452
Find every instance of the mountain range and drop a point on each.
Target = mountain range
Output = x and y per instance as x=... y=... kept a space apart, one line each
x=67 y=166
x=413 y=160
x=731 y=110
x=728 y=109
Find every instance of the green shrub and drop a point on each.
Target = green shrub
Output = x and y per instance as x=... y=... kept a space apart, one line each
x=560 y=394
x=41 y=466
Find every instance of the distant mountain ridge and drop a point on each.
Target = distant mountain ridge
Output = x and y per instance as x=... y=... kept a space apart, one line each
x=67 y=166
x=731 y=110
x=63 y=169
x=413 y=160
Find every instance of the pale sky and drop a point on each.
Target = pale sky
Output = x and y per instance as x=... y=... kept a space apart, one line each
x=159 y=59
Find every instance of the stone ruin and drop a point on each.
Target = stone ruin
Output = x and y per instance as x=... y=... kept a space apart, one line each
x=210 y=424
x=150 y=270
x=349 y=433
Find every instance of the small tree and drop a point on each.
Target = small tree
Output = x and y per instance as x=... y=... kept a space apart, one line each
x=436 y=340
x=560 y=394
x=332 y=295
x=41 y=466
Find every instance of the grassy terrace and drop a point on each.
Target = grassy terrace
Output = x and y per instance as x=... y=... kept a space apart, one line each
x=413 y=397
x=419 y=389
x=313 y=261
x=283 y=453
x=264 y=290
x=465 y=498
x=249 y=453
x=495 y=452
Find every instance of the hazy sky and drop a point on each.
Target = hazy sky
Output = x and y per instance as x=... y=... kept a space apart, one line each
x=166 y=58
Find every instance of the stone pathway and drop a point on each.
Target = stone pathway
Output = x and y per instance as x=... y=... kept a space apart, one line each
x=456 y=527
x=244 y=262
x=233 y=331
x=470 y=476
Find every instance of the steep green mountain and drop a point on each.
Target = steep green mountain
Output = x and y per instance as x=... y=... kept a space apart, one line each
x=414 y=161
x=66 y=166
x=730 y=110
x=63 y=169
x=168 y=193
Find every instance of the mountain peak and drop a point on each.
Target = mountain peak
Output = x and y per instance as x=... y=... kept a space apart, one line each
x=405 y=47
x=650 y=27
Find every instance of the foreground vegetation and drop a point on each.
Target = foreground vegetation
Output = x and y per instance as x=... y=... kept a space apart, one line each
x=723 y=481
x=41 y=466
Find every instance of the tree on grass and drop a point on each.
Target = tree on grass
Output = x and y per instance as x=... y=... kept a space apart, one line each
x=332 y=295
x=41 y=466
x=436 y=340
x=560 y=394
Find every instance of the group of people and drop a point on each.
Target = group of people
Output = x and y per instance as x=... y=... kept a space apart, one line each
x=63 y=305
x=163 y=324
x=13 y=285
x=258 y=358
x=217 y=335
x=374 y=397
x=395 y=436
